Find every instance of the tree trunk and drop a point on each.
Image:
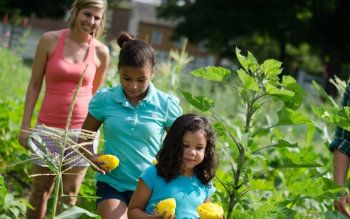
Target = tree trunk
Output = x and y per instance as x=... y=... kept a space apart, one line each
x=333 y=68
x=282 y=47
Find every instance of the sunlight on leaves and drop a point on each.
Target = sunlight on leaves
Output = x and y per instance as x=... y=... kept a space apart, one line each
x=212 y=73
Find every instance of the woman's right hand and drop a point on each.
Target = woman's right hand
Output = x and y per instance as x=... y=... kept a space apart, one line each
x=341 y=204
x=23 y=137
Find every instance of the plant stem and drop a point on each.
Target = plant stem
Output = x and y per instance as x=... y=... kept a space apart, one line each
x=56 y=195
x=231 y=205
x=70 y=111
x=58 y=180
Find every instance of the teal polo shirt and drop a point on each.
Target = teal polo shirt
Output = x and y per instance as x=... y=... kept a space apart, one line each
x=133 y=134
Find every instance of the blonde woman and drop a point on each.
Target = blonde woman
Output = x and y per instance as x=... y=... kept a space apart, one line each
x=61 y=57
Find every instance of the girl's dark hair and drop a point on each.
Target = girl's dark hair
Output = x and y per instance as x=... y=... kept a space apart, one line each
x=134 y=53
x=169 y=157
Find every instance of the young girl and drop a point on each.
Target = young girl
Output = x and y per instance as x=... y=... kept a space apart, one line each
x=186 y=164
x=135 y=116
x=60 y=59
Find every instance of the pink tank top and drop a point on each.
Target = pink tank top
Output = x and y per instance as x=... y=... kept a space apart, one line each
x=62 y=78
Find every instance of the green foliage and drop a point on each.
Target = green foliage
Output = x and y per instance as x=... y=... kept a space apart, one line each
x=218 y=16
x=273 y=157
x=168 y=73
x=291 y=30
x=264 y=209
x=30 y=7
x=260 y=157
x=334 y=116
x=315 y=188
x=14 y=75
x=212 y=73
x=87 y=193
x=324 y=94
x=75 y=212
x=112 y=77
x=3 y=192
x=11 y=107
x=11 y=151
x=201 y=102
x=305 y=58
x=9 y=206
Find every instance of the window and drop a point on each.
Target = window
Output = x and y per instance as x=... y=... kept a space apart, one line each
x=156 y=38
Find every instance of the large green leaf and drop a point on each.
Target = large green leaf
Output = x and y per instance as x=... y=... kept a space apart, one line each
x=305 y=158
x=248 y=81
x=281 y=93
x=271 y=67
x=212 y=73
x=253 y=63
x=319 y=187
x=200 y=102
x=291 y=84
x=282 y=143
x=310 y=133
x=249 y=62
x=334 y=116
x=261 y=132
x=260 y=184
x=75 y=212
x=291 y=117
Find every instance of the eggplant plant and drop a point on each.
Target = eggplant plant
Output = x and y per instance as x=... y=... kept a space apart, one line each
x=258 y=159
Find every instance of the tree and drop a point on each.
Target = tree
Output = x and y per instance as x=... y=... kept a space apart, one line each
x=329 y=33
x=39 y=8
x=220 y=23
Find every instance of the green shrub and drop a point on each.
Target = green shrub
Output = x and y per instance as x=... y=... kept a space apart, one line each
x=14 y=75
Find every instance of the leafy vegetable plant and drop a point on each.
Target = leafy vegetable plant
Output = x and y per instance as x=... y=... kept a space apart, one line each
x=262 y=170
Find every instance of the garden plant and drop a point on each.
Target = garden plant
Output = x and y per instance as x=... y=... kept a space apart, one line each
x=272 y=139
x=264 y=172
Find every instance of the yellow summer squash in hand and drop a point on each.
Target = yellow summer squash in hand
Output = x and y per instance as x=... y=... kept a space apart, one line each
x=110 y=162
x=210 y=211
x=167 y=205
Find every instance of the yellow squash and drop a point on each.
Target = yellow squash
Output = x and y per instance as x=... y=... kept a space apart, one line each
x=210 y=211
x=167 y=205
x=110 y=162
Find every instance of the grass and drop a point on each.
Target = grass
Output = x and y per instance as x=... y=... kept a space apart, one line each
x=14 y=75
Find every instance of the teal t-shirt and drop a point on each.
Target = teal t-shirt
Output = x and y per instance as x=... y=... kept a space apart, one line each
x=133 y=134
x=188 y=192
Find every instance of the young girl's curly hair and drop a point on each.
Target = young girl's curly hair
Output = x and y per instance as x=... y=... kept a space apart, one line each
x=169 y=157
